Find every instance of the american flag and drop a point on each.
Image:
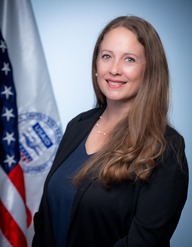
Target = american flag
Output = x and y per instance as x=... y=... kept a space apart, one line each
x=14 y=215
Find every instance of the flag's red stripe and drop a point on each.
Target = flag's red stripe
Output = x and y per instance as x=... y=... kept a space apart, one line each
x=10 y=229
x=29 y=216
x=16 y=176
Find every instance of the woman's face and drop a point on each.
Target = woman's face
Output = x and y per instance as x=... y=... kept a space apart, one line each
x=120 y=65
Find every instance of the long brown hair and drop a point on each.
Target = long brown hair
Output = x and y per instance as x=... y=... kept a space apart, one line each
x=139 y=139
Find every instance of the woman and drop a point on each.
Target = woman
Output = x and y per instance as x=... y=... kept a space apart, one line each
x=120 y=176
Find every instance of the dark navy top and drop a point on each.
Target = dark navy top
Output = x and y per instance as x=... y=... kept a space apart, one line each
x=61 y=193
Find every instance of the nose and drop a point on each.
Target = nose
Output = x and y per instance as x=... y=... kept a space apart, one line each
x=115 y=68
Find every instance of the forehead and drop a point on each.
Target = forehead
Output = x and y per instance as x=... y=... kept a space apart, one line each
x=121 y=38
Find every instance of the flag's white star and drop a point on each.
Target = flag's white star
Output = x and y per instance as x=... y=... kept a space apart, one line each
x=7 y=92
x=10 y=160
x=8 y=114
x=3 y=46
x=9 y=137
x=6 y=68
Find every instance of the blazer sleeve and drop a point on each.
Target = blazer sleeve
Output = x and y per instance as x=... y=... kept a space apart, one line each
x=160 y=201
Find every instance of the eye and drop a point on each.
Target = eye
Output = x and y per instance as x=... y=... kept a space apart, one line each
x=130 y=59
x=106 y=56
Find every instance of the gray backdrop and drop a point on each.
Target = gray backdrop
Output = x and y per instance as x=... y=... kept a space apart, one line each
x=68 y=30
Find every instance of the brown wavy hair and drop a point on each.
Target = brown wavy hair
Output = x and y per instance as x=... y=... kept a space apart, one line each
x=138 y=140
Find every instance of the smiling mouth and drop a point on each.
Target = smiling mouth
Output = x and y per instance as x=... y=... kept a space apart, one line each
x=116 y=83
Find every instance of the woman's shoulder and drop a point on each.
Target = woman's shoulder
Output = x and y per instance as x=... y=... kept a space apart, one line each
x=173 y=136
x=175 y=146
x=174 y=140
x=91 y=113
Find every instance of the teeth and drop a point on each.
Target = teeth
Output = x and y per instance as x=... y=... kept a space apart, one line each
x=115 y=83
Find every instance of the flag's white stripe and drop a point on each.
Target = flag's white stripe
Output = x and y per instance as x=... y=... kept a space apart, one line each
x=12 y=200
x=3 y=240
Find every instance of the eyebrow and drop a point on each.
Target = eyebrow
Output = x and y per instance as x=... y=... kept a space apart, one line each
x=127 y=53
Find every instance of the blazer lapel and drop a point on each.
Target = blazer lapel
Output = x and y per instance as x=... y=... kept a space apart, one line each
x=74 y=134
x=73 y=137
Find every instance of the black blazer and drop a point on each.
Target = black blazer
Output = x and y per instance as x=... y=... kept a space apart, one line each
x=128 y=214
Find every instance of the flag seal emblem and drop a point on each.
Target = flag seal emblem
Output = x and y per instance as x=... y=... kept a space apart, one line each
x=38 y=142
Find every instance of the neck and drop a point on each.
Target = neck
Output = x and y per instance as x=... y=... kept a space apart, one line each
x=110 y=117
x=115 y=113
